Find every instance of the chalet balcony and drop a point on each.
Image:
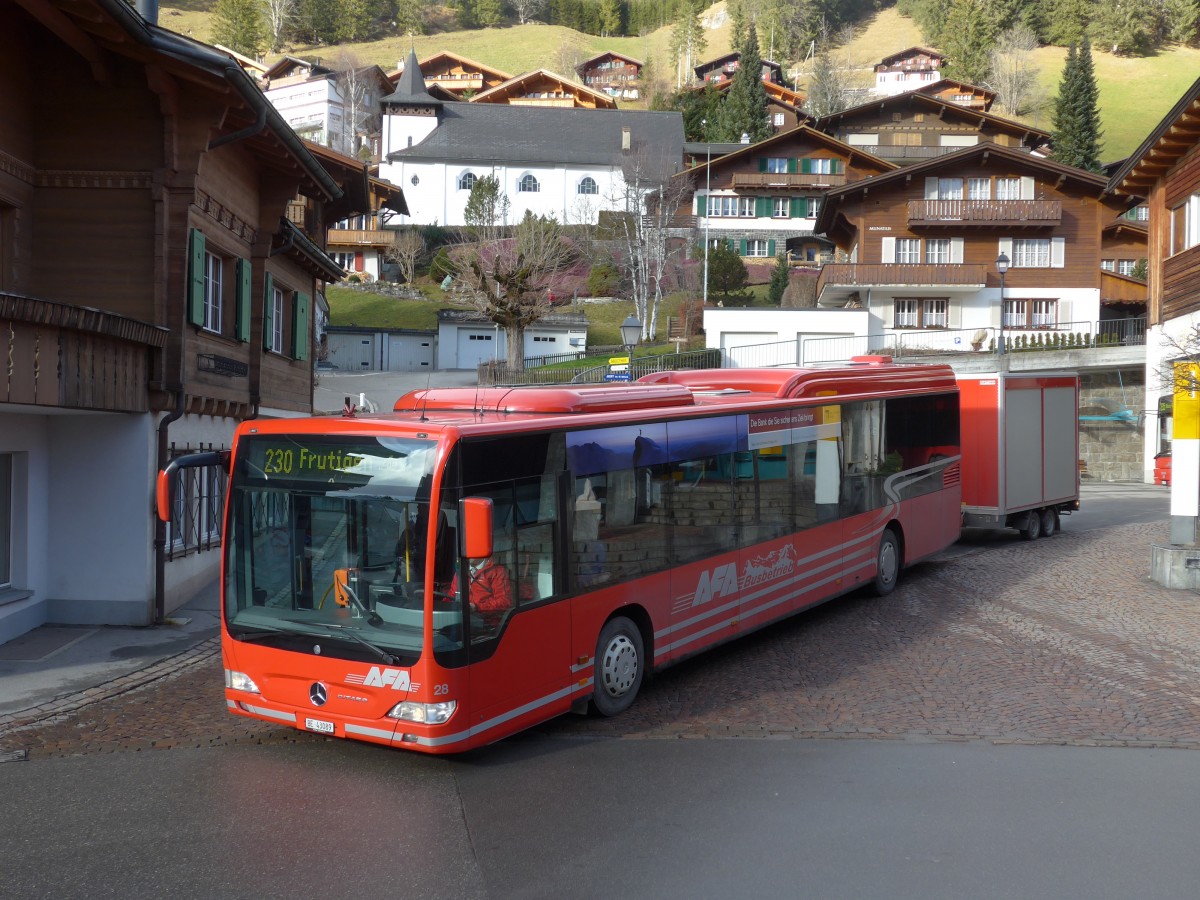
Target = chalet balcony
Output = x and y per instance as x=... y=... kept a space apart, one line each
x=452 y=82
x=905 y=153
x=348 y=237
x=787 y=180
x=839 y=282
x=555 y=102
x=1005 y=213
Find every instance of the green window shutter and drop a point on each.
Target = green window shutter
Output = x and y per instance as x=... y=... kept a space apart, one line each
x=243 y=300
x=742 y=247
x=799 y=207
x=792 y=165
x=701 y=206
x=195 y=297
x=806 y=166
x=762 y=164
x=731 y=244
x=771 y=249
x=268 y=311
x=762 y=207
x=301 y=333
x=835 y=166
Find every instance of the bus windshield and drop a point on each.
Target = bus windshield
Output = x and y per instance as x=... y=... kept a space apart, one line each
x=327 y=540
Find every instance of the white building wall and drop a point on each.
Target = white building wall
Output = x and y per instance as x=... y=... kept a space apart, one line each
x=100 y=503
x=25 y=437
x=310 y=104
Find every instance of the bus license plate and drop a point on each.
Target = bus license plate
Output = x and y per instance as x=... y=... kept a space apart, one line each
x=318 y=725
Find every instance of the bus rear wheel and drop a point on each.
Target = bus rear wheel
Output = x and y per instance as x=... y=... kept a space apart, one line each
x=887 y=565
x=619 y=667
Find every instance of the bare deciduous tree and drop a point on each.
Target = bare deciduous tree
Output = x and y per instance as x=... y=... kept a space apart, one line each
x=509 y=277
x=527 y=9
x=1013 y=75
x=650 y=198
x=280 y=15
x=404 y=252
x=360 y=118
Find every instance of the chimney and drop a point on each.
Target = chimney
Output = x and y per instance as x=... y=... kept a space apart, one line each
x=745 y=137
x=148 y=10
x=625 y=143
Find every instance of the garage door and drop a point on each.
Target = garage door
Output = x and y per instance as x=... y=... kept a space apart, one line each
x=476 y=346
x=410 y=353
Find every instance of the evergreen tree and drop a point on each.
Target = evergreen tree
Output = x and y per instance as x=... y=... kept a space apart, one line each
x=745 y=108
x=726 y=271
x=1124 y=28
x=1076 y=118
x=687 y=42
x=238 y=25
x=737 y=25
x=1067 y=20
x=487 y=13
x=779 y=281
x=610 y=17
x=970 y=36
x=1180 y=18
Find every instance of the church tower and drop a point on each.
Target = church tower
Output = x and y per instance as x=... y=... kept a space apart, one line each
x=410 y=114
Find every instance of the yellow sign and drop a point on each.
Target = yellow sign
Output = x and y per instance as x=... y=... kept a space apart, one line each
x=618 y=360
x=1187 y=402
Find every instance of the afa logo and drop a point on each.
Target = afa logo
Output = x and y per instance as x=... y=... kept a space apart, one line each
x=721 y=581
x=396 y=679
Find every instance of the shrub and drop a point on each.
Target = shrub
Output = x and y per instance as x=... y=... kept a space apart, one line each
x=604 y=280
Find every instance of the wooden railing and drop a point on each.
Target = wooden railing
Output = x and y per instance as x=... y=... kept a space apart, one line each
x=787 y=179
x=868 y=274
x=368 y=237
x=999 y=212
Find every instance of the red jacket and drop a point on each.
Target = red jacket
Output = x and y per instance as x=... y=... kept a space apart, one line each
x=491 y=590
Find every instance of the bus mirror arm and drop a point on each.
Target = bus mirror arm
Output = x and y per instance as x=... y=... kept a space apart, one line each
x=166 y=478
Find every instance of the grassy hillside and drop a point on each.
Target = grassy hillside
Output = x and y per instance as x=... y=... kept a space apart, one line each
x=1134 y=93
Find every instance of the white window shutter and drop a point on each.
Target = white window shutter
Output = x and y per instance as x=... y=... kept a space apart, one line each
x=931 y=188
x=1064 y=312
x=1058 y=252
x=1027 y=187
x=882 y=306
x=1006 y=249
x=889 y=250
x=956 y=250
x=954 y=313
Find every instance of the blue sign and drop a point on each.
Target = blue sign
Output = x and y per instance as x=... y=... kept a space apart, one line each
x=617 y=376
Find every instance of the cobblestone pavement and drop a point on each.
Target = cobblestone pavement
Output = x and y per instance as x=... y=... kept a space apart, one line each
x=1063 y=640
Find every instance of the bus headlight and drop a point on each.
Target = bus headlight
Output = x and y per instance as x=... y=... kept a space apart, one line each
x=425 y=713
x=240 y=681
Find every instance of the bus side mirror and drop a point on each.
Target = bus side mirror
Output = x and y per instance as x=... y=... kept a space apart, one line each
x=162 y=495
x=475 y=527
x=162 y=485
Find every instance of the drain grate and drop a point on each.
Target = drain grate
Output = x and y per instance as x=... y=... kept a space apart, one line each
x=13 y=755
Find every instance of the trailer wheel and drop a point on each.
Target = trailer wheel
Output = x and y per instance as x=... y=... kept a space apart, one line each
x=1049 y=522
x=887 y=569
x=1033 y=526
x=619 y=667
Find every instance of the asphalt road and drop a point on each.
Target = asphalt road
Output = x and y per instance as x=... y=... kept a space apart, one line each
x=1019 y=720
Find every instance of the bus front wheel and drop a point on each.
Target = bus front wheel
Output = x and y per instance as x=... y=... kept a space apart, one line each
x=619 y=667
x=887 y=568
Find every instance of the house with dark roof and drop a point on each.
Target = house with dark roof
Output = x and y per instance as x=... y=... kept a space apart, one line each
x=763 y=199
x=188 y=302
x=613 y=73
x=722 y=69
x=457 y=75
x=960 y=93
x=562 y=162
x=1163 y=174
x=907 y=70
x=785 y=107
x=339 y=110
x=915 y=126
x=545 y=89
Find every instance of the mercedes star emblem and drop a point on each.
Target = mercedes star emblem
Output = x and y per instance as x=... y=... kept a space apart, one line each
x=317 y=694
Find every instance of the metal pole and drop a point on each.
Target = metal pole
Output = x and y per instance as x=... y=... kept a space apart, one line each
x=1000 y=351
x=707 y=215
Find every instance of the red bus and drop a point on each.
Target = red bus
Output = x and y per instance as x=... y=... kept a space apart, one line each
x=622 y=528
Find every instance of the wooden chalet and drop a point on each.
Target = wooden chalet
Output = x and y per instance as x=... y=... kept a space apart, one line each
x=154 y=293
x=544 y=88
x=1124 y=245
x=960 y=93
x=613 y=73
x=784 y=106
x=914 y=126
x=458 y=76
x=908 y=69
x=722 y=69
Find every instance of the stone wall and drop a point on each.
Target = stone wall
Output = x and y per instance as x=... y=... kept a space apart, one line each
x=1112 y=450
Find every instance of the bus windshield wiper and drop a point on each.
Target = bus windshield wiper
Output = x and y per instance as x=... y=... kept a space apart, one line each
x=250 y=636
x=346 y=631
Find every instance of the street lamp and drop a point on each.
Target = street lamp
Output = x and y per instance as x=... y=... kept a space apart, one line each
x=631 y=332
x=1001 y=268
